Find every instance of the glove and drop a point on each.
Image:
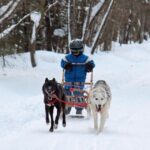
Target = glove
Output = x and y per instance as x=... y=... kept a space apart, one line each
x=89 y=67
x=68 y=66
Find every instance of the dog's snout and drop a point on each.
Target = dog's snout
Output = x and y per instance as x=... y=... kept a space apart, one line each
x=49 y=88
x=98 y=108
x=96 y=98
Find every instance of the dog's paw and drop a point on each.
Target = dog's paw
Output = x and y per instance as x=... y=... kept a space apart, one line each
x=51 y=130
x=56 y=126
x=100 y=130
x=88 y=117
x=64 y=124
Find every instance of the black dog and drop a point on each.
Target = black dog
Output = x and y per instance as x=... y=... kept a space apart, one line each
x=51 y=89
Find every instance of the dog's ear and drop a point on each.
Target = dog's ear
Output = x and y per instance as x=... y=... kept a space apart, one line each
x=46 y=80
x=54 y=80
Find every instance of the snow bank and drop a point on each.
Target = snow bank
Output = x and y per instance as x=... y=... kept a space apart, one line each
x=22 y=112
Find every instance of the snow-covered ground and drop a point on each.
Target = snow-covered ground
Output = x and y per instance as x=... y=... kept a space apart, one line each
x=22 y=123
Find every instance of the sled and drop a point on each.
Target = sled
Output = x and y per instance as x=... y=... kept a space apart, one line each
x=81 y=99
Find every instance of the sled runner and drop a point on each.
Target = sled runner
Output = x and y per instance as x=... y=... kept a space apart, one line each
x=76 y=116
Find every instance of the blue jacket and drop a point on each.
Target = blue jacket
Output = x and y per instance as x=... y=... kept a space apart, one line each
x=78 y=71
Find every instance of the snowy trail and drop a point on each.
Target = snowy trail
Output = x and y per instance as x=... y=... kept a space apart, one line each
x=22 y=123
x=121 y=129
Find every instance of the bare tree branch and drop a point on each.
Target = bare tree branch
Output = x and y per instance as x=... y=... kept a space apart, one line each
x=13 y=7
x=96 y=38
x=12 y=27
x=5 y=8
x=50 y=6
x=69 y=31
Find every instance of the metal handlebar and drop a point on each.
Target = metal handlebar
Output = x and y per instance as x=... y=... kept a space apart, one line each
x=89 y=83
x=76 y=64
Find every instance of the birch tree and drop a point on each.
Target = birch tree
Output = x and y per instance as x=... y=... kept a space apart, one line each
x=8 y=10
x=35 y=17
x=96 y=22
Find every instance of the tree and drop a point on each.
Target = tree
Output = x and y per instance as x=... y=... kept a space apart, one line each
x=97 y=22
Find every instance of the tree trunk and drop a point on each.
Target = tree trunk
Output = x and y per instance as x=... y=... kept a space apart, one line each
x=48 y=34
x=32 y=54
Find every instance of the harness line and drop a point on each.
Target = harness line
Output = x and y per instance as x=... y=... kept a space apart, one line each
x=80 y=104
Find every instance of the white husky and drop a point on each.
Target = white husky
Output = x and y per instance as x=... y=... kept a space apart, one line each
x=99 y=102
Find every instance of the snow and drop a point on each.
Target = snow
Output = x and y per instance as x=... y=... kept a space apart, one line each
x=59 y=32
x=4 y=8
x=35 y=17
x=10 y=28
x=146 y=1
x=9 y=12
x=96 y=8
x=7 y=31
x=22 y=121
x=5 y=12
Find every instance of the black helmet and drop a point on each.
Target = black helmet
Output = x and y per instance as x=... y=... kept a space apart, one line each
x=76 y=46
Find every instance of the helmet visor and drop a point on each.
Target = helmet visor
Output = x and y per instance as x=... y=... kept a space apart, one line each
x=76 y=51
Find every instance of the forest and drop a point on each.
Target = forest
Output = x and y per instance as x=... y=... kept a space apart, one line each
x=97 y=22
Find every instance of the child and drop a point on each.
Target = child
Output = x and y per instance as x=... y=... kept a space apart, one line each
x=76 y=65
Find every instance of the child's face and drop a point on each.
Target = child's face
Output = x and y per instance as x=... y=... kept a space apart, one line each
x=76 y=52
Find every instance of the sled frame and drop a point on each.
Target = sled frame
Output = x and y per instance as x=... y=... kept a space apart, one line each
x=84 y=92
